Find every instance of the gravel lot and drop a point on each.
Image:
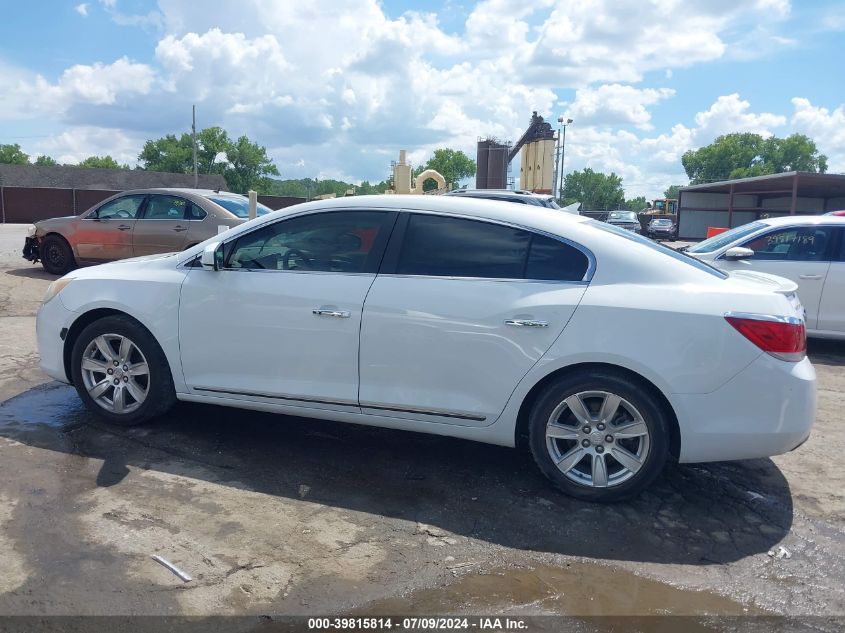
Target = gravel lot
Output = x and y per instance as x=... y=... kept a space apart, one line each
x=283 y=515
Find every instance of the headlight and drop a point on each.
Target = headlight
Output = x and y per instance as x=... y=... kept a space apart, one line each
x=30 y=232
x=56 y=287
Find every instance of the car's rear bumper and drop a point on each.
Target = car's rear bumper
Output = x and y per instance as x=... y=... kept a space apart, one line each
x=31 y=249
x=767 y=409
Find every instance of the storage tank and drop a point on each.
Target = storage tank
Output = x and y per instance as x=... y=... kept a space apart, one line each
x=491 y=164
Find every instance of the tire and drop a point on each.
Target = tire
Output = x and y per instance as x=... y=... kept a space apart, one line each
x=56 y=255
x=144 y=394
x=646 y=440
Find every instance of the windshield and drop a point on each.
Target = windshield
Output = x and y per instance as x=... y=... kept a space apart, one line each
x=723 y=239
x=238 y=205
x=629 y=216
x=671 y=252
x=661 y=222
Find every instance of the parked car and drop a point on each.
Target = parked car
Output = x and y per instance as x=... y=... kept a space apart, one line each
x=663 y=228
x=461 y=317
x=809 y=250
x=625 y=220
x=839 y=213
x=508 y=195
x=133 y=223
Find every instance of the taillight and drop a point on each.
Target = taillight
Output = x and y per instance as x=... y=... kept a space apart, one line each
x=782 y=337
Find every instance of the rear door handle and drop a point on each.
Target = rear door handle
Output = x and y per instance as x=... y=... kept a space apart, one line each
x=526 y=323
x=123 y=227
x=809 y=276
x=179 y=229
x=340 y=314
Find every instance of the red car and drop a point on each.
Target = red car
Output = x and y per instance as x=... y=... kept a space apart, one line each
x=840 y=213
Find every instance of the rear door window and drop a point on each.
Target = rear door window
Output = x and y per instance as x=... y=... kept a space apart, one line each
x=441 y=246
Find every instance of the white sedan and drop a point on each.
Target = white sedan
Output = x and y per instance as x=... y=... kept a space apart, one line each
x=810 y=250
x=606 y=353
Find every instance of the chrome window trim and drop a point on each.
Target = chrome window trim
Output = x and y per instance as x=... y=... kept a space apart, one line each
x=487 y=279
x=773 y=318
x=586 y=279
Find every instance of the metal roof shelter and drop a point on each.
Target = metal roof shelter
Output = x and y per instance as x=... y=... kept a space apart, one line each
x=731 y=203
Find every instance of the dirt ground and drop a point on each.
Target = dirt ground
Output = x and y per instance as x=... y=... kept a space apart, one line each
x=291 y=516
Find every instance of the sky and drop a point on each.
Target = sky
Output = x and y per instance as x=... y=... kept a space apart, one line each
x=334 y=89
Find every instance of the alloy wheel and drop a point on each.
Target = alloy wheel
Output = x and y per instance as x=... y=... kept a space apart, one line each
x=115 y=373
x=597 y=439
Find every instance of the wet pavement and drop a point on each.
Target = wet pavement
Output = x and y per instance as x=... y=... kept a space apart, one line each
x=303 y=516
x=281 y=515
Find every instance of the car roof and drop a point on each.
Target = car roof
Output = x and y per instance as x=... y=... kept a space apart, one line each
x=499 y=192
x=183 y=190
x=808 y=220
x=534 y=217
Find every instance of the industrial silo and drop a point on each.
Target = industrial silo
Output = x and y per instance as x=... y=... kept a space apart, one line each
x=491 y=164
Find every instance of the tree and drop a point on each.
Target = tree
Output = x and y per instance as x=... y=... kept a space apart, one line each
x=101 y=162
x=594 y=190
x=244 y=164
x=13 y=155
x=211 y=143
x=452 y=164
x=672 y=192
x=636 y=204
x=744 y=154
x=168 y=154
x=248 y=166
x=45 y=161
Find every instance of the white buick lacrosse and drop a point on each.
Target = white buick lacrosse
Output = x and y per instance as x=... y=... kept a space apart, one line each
x=605 y=353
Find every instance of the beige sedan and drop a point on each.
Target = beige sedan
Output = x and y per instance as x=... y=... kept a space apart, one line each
x=133 y=223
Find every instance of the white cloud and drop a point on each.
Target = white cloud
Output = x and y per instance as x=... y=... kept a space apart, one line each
x=616 y=104
x=731 y=114
x=338 y=86
x=27 y=96
x=77 y=143
x=82 y=9
x=826 y=127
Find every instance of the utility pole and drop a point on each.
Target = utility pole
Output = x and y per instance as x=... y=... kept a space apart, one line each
x=562 y=155
x=194 y=135
x=557 y=155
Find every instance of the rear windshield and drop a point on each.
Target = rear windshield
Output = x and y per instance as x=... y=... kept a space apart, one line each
x=723 y=239
x=238 y=205
x=671 y=252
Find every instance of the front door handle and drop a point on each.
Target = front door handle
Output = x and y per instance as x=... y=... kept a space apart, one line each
x=526 y=323
x=340 y=314
x=179 y=229
x=809 y=276
x=123 y=227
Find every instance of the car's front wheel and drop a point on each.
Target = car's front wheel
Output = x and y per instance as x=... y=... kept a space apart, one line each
x=56 y=255
x=599 y=436
x=121 y=372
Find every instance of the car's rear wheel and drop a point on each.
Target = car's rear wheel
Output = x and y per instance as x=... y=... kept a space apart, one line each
x=121 y=372
x=56 y=255
x=599 y=436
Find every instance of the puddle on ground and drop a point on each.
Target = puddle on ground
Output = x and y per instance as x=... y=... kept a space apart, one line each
x=577 y=589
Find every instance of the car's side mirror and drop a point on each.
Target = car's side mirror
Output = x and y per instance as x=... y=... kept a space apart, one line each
x=738 y=252
x=212 y=256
